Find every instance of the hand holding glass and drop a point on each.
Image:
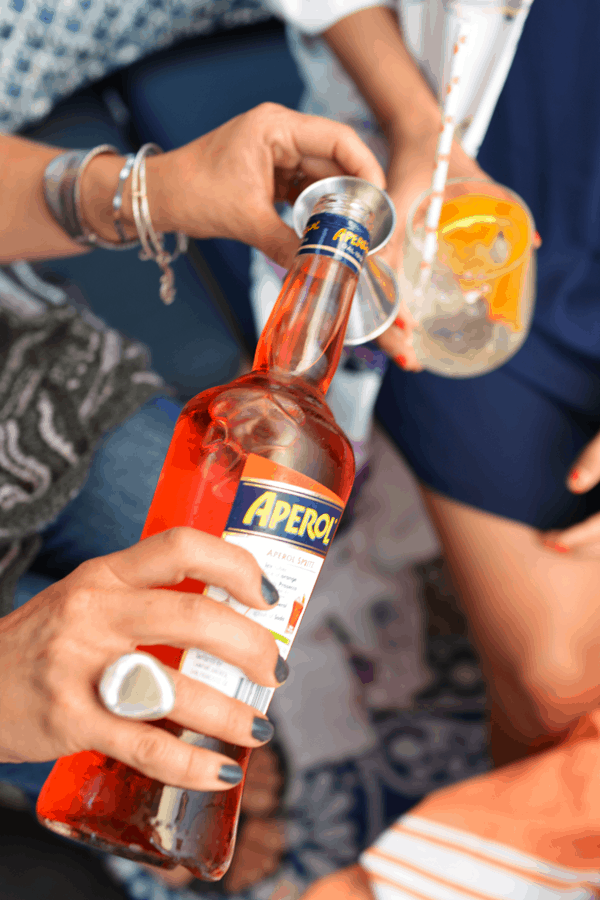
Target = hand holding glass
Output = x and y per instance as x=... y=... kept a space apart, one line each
x=475 y=310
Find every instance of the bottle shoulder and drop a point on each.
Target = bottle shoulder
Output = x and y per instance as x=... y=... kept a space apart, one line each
x=283 y=421
x=291 y=398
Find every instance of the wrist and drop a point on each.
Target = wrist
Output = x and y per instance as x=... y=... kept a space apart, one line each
x=165 y=189
x=405 y=131
x=97 y=190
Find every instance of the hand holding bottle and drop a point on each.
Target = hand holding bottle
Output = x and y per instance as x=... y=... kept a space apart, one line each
x=229 y=179
x=262 y=463
x=223 y=184
x=54 y=649
x=226 y=183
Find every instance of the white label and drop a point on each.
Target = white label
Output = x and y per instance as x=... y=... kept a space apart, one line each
x=290 y=565
x=294 y=573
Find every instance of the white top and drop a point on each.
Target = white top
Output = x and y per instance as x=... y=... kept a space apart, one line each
x=429 y=28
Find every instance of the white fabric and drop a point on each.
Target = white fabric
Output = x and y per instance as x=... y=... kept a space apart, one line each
x=430 y=860
x=429 y=28
x=316 y=16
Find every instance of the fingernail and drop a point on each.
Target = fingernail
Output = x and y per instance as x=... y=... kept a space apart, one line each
x=401 y=360
x=282 y=670
x=400 y=323
x=537 y=237
x=576 y=479
x=557 y=546
x=269 y=592
x=262 y=729
x=230 y=773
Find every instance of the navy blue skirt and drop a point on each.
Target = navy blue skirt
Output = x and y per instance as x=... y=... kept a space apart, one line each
x=504 y=442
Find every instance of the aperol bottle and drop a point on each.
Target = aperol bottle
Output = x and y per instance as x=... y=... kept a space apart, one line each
x=262 y=463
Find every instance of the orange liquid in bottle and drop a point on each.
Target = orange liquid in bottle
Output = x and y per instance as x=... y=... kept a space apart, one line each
x=105 y=803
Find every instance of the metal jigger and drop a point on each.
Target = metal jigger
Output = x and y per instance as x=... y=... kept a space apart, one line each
x=377 y=297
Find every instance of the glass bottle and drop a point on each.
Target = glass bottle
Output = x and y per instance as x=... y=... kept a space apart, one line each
x=268 y=431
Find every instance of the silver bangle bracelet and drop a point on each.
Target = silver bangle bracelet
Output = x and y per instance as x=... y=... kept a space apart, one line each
x=151 y=240
x=59 y=187
x=62 y=193
x=117 y=203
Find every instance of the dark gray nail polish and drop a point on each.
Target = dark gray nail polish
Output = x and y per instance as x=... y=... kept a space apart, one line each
x=262 y=729
x=231 y=773
x=269 y=592
x=282 y=670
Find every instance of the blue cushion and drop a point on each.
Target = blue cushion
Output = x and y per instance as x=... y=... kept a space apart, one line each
x=189 y=90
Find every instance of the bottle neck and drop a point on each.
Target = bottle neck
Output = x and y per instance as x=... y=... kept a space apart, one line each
x=304 y=336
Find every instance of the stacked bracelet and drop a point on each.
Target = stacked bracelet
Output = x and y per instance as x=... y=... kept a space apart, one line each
x=62 y=192
x=117 y=203
x=152 y=241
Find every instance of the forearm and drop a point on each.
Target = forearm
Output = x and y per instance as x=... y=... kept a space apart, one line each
x=27 y=227
x=224 y=184
x=370 y=47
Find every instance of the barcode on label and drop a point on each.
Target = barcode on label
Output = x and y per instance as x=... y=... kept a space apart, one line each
x=254 y=694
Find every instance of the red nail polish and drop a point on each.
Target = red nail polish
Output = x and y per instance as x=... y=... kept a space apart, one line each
x=557 y=546
x=537 y=237
x=575 y=480
x=401 y=360
x=400 y=323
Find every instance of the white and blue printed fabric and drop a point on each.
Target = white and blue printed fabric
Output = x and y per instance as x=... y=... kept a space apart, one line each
x=50 y=48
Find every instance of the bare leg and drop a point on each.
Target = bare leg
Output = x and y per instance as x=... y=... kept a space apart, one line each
x=535 y=619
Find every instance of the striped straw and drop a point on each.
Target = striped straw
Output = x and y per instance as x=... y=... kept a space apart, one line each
x=444 y=147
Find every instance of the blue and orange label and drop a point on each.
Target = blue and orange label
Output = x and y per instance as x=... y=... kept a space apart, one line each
x=328 y=234
x=280 y=503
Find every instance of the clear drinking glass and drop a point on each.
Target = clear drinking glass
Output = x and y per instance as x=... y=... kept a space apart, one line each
x=475 y=310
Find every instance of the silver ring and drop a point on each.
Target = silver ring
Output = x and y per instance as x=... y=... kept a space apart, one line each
x=137 y=686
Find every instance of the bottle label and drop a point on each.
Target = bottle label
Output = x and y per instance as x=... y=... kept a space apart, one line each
x=328 y=234
x=287 y=521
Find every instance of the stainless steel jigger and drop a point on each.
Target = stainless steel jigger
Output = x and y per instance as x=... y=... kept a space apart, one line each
x=377 y=298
